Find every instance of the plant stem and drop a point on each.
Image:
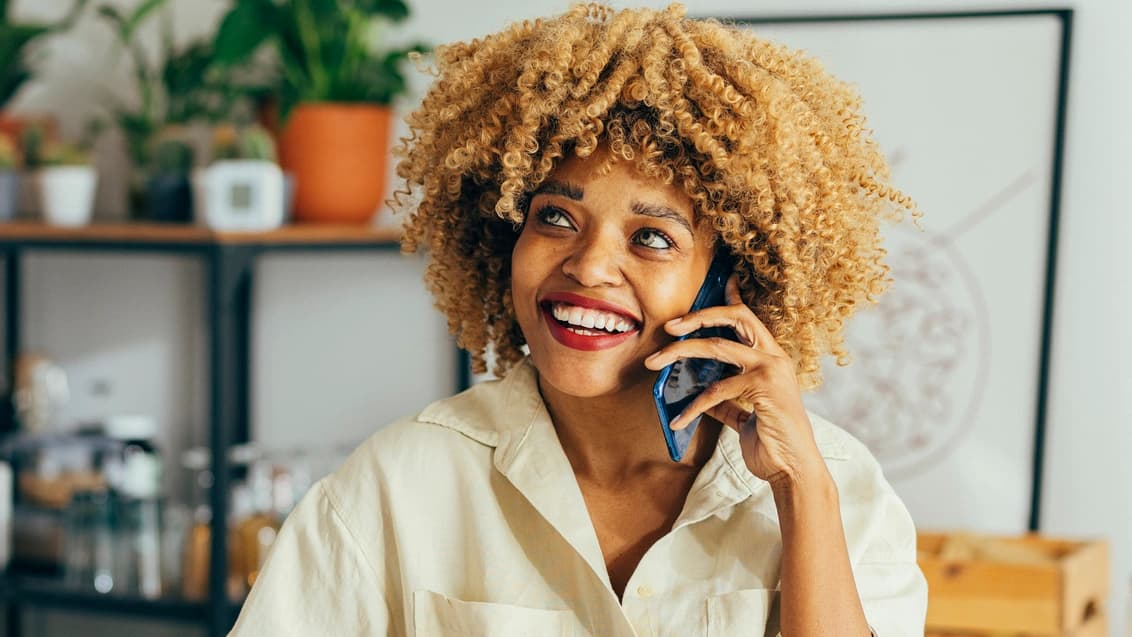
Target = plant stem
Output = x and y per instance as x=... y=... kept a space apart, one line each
x=308 y=33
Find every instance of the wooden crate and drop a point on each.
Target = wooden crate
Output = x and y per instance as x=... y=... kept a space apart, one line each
x=1095 y=627
x=1027 y=585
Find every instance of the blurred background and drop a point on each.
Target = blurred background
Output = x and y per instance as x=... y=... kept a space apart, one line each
x=181 y=296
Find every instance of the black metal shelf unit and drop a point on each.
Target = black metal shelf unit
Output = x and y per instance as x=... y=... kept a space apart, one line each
x=229 y=260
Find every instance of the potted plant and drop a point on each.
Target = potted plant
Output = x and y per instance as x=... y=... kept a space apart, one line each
x=66 y=184
x=336 y=88
x=9 y=178
x=169 y=196
x=243 y=188
x=176 y=88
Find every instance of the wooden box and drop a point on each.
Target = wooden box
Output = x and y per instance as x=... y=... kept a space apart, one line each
x=1028 y=585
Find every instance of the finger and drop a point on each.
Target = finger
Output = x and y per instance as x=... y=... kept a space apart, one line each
x=736 y=317
x=764 y=337
x=732 y=291
x=720 y=349
x=731 y=413
x=715 y=395
x=762 y=334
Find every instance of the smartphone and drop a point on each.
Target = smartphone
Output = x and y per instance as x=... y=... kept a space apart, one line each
x=679 y=383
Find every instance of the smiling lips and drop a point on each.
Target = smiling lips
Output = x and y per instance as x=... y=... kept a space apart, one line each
x=587 y=324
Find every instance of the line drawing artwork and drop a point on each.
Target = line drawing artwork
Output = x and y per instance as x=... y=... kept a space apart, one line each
x=920 y=356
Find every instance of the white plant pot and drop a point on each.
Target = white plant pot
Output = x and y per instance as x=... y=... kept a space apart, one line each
x=239 y=195
x=67 y=194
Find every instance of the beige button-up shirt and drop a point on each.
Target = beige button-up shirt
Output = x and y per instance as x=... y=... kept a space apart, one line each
x=467 y=520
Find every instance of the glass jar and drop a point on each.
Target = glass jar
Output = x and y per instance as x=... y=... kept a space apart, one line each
x=137 y=471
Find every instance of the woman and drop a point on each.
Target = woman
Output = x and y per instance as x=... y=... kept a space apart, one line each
x=573 y=180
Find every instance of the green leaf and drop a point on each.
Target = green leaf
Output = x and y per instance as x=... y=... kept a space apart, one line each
x=127 y=25
x=71 y=17
x=241 y=32
x=139 y=15
x=325 y=48
x=395 y=10
x=11 y=81
x=115 y=17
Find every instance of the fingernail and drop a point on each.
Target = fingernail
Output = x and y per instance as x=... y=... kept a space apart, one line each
x=677 y=422
x=675 y=320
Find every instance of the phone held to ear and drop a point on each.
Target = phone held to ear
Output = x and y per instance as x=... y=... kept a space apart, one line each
x=679 y=383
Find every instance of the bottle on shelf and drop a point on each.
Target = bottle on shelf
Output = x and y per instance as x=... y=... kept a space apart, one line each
x=194 y=571
x=134 y=475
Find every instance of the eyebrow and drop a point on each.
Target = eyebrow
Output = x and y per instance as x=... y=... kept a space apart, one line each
x=575 y=192
x=661 y=212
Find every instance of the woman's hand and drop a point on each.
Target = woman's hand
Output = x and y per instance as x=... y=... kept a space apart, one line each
x=762 y=402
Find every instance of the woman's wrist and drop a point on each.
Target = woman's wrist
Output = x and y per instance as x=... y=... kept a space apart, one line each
x=804 y=484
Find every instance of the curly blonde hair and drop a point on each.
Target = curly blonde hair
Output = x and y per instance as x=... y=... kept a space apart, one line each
x=772 y=150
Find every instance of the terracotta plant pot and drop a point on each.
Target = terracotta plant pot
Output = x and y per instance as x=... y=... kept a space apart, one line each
x=338 y=155
x=13 y=125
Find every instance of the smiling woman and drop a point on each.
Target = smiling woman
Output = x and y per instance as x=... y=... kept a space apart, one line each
x=573 y=180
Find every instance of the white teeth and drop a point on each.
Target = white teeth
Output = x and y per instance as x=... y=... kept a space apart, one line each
x=589 y=319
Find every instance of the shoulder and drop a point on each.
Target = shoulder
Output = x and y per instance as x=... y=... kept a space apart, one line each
x=449 y=442
x=878 y=526
x=844 y=453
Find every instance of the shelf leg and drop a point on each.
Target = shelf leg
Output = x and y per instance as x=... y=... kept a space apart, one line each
x=13 y=304
x=13 y=620
x=230 y=270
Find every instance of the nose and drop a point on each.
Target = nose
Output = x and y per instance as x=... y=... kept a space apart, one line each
x=595 y=262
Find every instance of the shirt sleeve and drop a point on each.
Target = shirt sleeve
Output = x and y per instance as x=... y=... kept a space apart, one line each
x=316 y=580
x=894 y=593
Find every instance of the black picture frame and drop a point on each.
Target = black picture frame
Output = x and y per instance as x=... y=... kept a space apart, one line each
x=1064 y=16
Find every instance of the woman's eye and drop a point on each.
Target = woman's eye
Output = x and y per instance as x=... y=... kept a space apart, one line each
x=653 y=239
x=554 y=217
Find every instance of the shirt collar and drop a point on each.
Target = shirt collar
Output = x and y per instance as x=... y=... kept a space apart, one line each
x=510 y=416
x=504 y=413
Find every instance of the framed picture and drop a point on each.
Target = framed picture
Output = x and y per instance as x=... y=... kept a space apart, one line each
x=948 y=381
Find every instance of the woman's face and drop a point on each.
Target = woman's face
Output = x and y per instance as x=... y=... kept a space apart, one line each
x=603 y=261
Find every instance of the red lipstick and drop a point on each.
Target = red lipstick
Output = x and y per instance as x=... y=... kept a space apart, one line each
x=597 y=339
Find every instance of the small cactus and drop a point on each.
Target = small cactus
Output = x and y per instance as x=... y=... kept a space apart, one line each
x=225 y=142
x=172 y=156
x=32 y=142
x=249 y=142
x=257 y=143
x=63 y=154
x=9 y=154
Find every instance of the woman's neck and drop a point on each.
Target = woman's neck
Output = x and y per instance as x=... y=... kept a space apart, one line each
x=617 y=438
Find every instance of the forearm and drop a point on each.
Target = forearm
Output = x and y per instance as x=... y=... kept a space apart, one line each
x=818 y=593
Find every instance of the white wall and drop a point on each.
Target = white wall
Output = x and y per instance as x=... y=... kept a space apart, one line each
x=322 y=349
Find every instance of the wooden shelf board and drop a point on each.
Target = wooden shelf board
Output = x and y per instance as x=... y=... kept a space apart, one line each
x=153 y=233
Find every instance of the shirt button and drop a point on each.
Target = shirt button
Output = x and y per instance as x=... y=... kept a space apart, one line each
x=644 y=592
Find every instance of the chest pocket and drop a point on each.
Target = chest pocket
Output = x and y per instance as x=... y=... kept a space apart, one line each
x=742 y=612
x=436 y=615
